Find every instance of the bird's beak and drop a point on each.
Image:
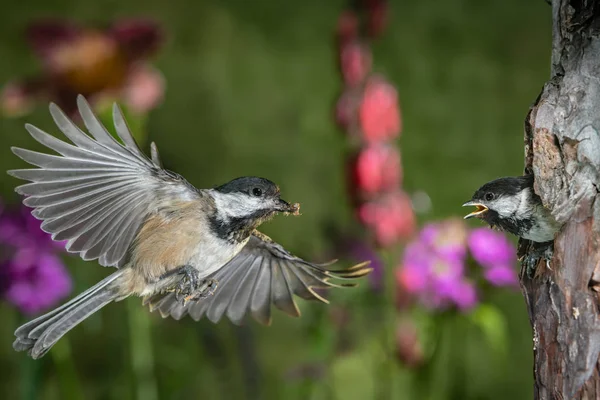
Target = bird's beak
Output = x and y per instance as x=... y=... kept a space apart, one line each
x=481 y=209
x=285 y=207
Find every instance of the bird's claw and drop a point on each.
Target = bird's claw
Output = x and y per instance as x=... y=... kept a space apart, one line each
x=207 y=288
x=190 y=287
x=188 y=284
x=531 y=260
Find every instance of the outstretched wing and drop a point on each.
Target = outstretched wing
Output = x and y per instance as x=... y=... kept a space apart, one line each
x=97 y=192
x=263 y=273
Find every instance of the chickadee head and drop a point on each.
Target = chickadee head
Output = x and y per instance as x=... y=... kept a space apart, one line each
x=504 y=198
x=250 y=199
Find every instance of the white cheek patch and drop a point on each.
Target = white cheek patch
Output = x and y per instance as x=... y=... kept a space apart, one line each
x=509 y=206
x=524 y=207
x=237 y=205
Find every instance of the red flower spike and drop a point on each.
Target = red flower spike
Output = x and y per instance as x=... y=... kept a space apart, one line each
x=347 y=27
x=379 y=111
x=377 y=169
x=355 y=61
x=346 y=108
x=390 y=218
x=377 y=16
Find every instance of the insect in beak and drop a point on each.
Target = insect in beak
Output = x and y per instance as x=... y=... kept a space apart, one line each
x=481 y=209
x=288 y=208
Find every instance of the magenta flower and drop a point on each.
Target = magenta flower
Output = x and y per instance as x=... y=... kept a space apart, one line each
x=465 y=295
x=437 y=280
x=34 y=281
x=501 y=275
x=98 y=63
x=32 y=276
x=490 y=248
x=448 y=238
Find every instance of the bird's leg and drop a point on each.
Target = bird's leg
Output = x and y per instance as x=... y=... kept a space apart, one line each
x=188 y=282
x=207 y=288
x=190 y=286
x=539 y=251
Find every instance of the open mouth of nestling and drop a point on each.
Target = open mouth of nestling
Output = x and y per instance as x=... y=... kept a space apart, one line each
x=479 y=211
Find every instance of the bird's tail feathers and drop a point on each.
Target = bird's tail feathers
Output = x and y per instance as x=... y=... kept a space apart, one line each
x=39 y=335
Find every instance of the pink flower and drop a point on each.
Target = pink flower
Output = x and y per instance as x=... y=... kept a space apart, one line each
x=490 y=248
x=97 y=63
x=379 y=113
x=355 y=61
x=390 y=218
x=376 y=169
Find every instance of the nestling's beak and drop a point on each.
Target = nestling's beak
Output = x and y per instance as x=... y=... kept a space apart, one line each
x=286 y=207
x=481 y=209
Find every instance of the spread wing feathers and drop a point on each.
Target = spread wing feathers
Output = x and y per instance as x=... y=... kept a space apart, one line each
x=97 y=192
x=263 y=273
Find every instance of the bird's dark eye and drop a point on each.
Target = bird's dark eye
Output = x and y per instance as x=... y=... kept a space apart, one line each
x=257 y=192
x=489 y=196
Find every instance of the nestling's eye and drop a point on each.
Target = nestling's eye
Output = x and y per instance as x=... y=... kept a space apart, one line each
x=257 y=192
x=489 y=196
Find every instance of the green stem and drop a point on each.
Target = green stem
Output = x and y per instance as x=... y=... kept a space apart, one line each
x=30 y=374
x=386 y=374
x=142 y=358
x=66 y=371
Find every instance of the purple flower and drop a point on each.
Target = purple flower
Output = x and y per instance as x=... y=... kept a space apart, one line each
x=490 y=248
x=32 y=276
x=465 y=295
x=34 y=281
x=18 y=228
x=448 y=238
x=413 y=274
x=501 y=275
x=436 y=280
x=360 y=251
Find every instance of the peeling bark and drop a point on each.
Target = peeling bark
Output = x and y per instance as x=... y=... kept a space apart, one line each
x=562 y=148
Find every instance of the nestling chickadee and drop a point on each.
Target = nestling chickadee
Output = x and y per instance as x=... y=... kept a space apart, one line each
x=184 y=250
x=510 y=204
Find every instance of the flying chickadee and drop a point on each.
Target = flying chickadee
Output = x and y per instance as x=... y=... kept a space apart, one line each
x=184 y=250
x=510 y=204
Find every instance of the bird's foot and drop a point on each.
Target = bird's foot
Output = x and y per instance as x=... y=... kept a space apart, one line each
x=190 y=287
x=206 y=288
x=530 y=261
x=188 y=283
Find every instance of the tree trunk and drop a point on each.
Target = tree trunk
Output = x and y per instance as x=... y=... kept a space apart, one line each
x=562 y=147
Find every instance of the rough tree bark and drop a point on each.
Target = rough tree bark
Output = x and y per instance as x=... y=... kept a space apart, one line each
x=562 y=147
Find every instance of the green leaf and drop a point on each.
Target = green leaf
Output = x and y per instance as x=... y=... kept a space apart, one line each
x=493 y=325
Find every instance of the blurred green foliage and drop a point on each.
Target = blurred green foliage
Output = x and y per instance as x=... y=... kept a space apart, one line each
x=250 y=89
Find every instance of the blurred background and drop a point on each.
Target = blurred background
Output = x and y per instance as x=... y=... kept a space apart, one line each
x=380 y=118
